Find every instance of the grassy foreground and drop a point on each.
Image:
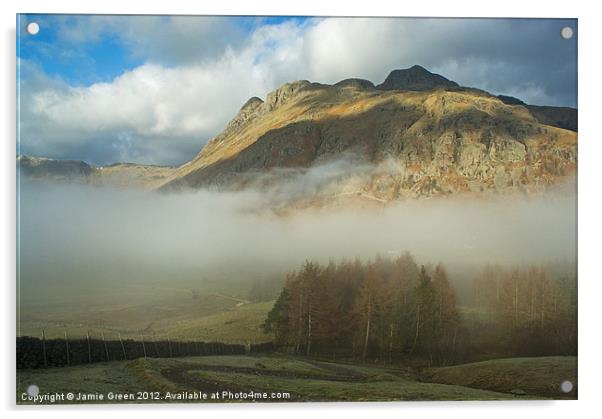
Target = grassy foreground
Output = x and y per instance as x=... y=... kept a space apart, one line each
x=538 y=376
x=284 y=378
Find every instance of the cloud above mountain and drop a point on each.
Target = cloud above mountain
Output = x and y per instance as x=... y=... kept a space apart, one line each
x=175 y=82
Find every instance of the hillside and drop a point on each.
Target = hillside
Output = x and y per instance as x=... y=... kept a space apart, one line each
x=119 y=174
x=417 y=134
x=536 y=375
x=561 y=117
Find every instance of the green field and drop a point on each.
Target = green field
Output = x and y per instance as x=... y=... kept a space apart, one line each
x=155 y=312
x=542 y=375
x=305 y=379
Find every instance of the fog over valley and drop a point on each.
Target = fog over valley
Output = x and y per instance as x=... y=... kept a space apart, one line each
x=99 y=237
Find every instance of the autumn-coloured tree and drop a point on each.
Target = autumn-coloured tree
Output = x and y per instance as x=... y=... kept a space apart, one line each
x=367 y=307
x=446 y=315
x=388 y=309
x=530 y=311
x=425 y=312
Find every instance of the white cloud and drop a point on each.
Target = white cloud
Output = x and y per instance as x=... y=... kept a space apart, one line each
x=194 y=81
x=167 y=113
x=162 y=39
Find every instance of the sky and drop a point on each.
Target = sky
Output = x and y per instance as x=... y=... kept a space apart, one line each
x=155 y=89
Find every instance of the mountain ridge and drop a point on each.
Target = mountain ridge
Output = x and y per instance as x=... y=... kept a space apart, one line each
x=78 y=171
x=446 y=138
x=441 y=137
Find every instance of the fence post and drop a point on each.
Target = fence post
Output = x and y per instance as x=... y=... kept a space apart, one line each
x=89 y=348
x=44 y=348
x=125 y=357
x=67 y=346
x=169 y=344
x=155 y=345
x=105 y=345
x=143 y=346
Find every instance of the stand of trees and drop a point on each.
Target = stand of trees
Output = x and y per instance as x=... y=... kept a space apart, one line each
x=527 y=311
x=392 y=308
x=382 y=309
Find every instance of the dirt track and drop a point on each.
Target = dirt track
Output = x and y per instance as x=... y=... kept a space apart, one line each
x=184 y=376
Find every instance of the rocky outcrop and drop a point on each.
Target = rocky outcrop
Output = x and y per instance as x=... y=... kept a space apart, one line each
x=415 y=78
x=355 y=84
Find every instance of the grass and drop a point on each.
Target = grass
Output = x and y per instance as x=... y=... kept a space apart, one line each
x=114 y=377
x=535 y=376
x=385 y=389
x=152 y=311
x=238 y=324
x=305 y=379
x=280 y=363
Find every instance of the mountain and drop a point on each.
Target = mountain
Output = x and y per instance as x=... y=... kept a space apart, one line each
x=415 y=78
x=415 y=135
x=420 y=133
x=73 y=171
x=54 y=170
x=561 y=117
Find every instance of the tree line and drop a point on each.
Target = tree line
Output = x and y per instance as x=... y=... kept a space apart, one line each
x=378 y=309
x=526 y=310
x=392 y=308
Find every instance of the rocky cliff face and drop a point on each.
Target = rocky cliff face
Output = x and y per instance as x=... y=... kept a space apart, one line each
x=419 y=134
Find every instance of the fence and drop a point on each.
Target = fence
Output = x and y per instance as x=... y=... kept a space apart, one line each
x=41 y=353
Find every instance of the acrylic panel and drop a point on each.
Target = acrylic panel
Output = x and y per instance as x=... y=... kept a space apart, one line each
x=295 y=209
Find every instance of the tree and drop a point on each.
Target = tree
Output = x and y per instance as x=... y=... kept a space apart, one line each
x=367 y=306
x=277 y=321
x=529 y=312
x=446 y=314
x=425 y=308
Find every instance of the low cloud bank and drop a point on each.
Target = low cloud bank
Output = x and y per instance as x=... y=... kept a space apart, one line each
x=92 y=235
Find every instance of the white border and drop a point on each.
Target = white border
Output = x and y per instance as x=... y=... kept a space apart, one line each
x=590 y=157
x=462 y=8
